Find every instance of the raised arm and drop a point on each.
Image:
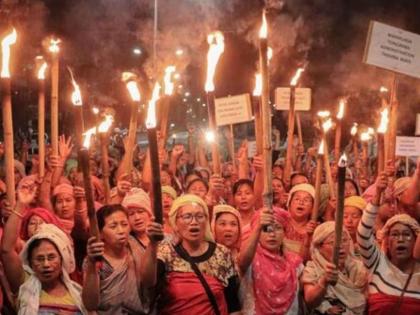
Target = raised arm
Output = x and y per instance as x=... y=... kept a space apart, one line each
x=91 y=282
x=148 y=266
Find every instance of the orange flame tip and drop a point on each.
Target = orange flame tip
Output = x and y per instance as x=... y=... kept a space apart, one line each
x=216 y=48
x=151 y=111
x=7 y=41
x=383 y=126
x=340 y=113
x=296 y=77
x=258 y=85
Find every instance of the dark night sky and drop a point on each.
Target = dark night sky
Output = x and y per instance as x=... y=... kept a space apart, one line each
x=328 y=36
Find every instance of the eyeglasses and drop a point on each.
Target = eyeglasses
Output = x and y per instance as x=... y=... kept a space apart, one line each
x=304 y=201
x=188 y=217
x=39 y=260
x=405 y=236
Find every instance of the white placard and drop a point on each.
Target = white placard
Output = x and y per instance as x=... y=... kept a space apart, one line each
x=392 y=48
x=302 y=98
x=417 y=133
x=233 y=109
x=408 y=146
x=252 y=148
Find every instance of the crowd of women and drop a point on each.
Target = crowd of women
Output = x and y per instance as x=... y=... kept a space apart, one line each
x=218 y=251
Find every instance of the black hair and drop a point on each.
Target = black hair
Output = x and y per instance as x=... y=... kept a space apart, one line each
x=354 y=185
x=106 y=211
x=35 y=244
x=297 y=174
x=240 y=183
x=197 y=180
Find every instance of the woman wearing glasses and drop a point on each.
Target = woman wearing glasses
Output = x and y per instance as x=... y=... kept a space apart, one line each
x=394 y=286
x=330 y=289
x=195 y=275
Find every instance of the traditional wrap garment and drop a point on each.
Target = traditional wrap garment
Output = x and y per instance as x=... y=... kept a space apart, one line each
x=46 y=215
x=182 y=292
x=66 y=225
x=270 y=285
x=387 y=281
x=352 y=281
x=30 y=291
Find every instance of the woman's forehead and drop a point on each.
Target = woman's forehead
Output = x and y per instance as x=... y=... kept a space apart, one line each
x=400 y=227
x=192 y=207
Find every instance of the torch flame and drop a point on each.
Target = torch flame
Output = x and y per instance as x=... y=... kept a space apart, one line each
x=340 y=113
x=327 y=125
x=321 y=148
x=353 y=130
x=258 y=85
x=151 y=111
x=342 y=162
x=370 y=131
x=264 y=27
x=383 y=89
x=324 y=113
x=295 y=79
x=169 y=86
x=384 y=121
x=88 y=135
x=54 y=48
x=76 y=96
x=365 y=136
x=269 y=53
x=217 y=46
x=210 y=137
x=41 y=71
x=9 y=40
x=104 y=126
x=133 y=90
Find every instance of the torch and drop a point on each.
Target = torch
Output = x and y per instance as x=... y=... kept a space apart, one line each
x=168 y=90
x=318 y=179
x=76 y=99
x=216 y=48
x=364 y=138
x=291 y=126
x=393 y=117
x=54 y=49
x=154 y=155
x=385 y=104
x=103 y=136
x=341 y=178
x=381 y=131
x=339 y=117
x=133 y=89
x=257 y=114
x=7 y=41
x=353 y=133
x=326 y=125
x=83 y=155
x=41 y=116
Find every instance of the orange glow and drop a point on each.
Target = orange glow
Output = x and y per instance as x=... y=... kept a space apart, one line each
x=258 y=85
x=383 y=126
x=216 y=48
x=88 y=135
x=342 y=162
x=54 y=48
x=169 y=86
x=264 y=27
x=324 y=113
x=269 y=53
x=210 y=137
x=327 y=125
x=76 y=96
x=321 y=148
x=106 y=124
x=383 y=89
x=130 y=79
x=41 y=71
x=365 y=136
x=295 y=79
x=151 y=111
x=340 y=113
x=353 y=130
x=8 y=41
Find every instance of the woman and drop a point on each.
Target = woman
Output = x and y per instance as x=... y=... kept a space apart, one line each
x=350 y=188
x=270 y=283
x=190 y=266
x=139 y=209
x=394 y=287
x=40 y=274
x=353 y=210
x=64 y=204
x=279 y=193
x=244 y=199
x=115 y=287
x=300 y=228
x=168 y=196
x=331 y=289
x=226 y=227
x=198 y=187
x=33 y=219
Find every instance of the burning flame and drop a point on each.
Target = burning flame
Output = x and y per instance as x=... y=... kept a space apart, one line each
x=324 y=114
x=76 y=96
x=340 y=113
x=342 y=162
x=88 y=135
x=104 y=126
x=383 y=89
x=54 y=48
x=258 y=85
x=384 y=121
x=210 y=136
x=169 y=86
x=269 y=53
x=216 y=48
x=8 y=41
x=264 y=27
x=353 y=130
x=95 y=110
x=365 y=136
x=295 y=79
x=327 y=125
x=41 y=71
x=321 y=148
x=133 y=90
x=151 y=111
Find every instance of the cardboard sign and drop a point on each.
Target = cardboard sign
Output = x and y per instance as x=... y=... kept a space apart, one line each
x=408 y=146
x=252 y=148
x=233 y=109
x=417 y=133
x=392 y=48
x=302 y=99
